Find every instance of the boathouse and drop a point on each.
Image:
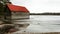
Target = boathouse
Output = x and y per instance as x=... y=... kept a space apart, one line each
x=18 y=12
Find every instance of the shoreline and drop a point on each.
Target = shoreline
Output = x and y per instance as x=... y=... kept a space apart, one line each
x=38 y=33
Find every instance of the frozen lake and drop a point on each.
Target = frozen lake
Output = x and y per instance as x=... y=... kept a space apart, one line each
x=42 y=23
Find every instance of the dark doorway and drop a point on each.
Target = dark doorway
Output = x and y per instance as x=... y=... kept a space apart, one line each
x=7 y=15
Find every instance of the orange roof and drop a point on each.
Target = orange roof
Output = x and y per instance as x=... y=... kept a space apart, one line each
x=17 y=8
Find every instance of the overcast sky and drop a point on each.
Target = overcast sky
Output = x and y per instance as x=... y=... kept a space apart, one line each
x=39 y=6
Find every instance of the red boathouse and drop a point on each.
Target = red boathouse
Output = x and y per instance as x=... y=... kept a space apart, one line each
x=18 y=12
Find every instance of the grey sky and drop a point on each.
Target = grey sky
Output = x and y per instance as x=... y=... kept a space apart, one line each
x=39 y=6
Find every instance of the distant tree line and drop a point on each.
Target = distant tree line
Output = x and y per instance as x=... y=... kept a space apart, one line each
x=44 y=13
